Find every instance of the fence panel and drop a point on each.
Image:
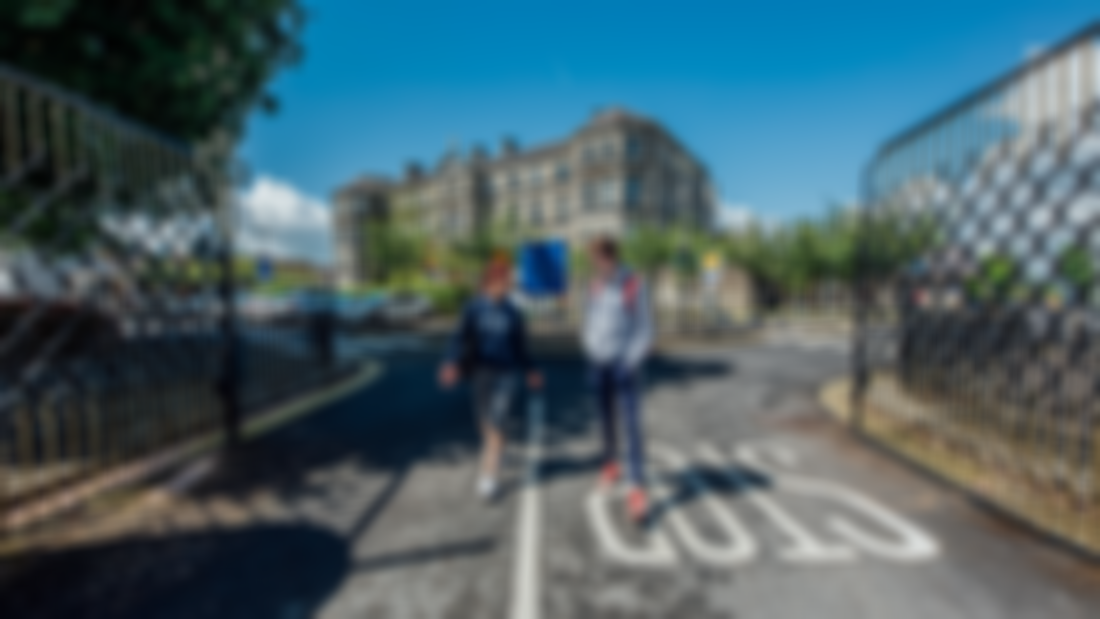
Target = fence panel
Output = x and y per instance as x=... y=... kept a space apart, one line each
x=120 y=333
x=978 y=334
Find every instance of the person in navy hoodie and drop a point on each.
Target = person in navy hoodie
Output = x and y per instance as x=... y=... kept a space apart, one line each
x=490 y=350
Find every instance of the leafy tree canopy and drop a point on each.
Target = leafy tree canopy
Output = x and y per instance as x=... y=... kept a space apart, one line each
x=184 y=67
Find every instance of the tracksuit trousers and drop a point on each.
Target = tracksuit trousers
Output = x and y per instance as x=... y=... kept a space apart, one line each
x=618 y=395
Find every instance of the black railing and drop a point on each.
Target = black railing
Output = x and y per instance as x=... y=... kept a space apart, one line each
x=120 y=335
x=978 y=336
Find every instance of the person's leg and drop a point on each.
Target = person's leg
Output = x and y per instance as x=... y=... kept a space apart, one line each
x=492 y=445
x=497 y=393
x=603 y=387
x=628 y=386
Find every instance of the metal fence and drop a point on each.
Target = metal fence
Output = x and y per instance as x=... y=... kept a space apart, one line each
x=980 y=361
x=119 y=336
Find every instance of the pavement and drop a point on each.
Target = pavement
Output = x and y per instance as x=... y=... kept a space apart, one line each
x=766 y=508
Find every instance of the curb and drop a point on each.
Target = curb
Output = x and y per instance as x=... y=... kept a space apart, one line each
x=835 y=397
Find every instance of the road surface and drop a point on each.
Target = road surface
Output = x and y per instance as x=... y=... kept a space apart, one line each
x=767 y=510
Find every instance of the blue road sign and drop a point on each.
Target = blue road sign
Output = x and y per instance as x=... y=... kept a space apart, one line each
x=265 y=270
x=544 y=268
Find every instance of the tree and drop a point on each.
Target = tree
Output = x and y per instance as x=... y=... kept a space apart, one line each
x=648 y=249
x=1076 y=266
x=184 y=67
x=891 y=240
x=394 y=248
x=994 y=279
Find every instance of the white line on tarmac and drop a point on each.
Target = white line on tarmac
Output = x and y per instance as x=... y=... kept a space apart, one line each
x=525 y=583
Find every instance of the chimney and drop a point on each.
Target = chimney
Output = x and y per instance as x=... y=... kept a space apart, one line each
x=413 y=172
x=509 y=147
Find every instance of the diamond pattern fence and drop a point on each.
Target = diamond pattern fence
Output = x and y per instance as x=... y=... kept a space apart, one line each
x=978 y=343
x=120 y=331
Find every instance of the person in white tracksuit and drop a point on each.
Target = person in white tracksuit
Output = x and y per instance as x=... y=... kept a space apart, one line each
x=617 y=336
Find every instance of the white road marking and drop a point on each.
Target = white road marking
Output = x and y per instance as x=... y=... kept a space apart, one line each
x=894 y=537
x=525 y=583
x=657 y=552
x=742 y=547
x=806 y=548
x=912 y=544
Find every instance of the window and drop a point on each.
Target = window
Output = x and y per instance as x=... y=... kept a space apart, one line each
x=633 y=192
x=536 y=214
x=607 y=192
x=563 y=173
x=633 y=148
x=591 y=198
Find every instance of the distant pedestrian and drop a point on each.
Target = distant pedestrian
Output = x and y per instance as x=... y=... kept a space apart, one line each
x=617 y=335
x=490 y=350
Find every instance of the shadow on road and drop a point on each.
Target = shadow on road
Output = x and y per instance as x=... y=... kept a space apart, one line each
x=384 y=432
x=261 y=571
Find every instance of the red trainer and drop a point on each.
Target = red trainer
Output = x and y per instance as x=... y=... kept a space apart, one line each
x=637 y=505
x=609 y=475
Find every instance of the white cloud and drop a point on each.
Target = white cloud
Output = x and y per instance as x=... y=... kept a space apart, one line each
x=276 y=219
x=739 y=217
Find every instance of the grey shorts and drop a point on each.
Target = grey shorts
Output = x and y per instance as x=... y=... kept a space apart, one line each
x=494 y=394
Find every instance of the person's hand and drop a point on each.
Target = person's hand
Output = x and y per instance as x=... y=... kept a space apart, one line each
x=448 y=375
x=534 y=380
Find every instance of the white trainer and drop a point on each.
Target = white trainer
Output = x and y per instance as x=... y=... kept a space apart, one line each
x=487 y=488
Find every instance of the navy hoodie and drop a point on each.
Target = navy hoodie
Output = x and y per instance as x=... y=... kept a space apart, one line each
x=491 y=335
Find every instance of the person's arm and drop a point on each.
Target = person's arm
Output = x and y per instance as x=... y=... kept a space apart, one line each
x=641 y=331
x=587 y=300
x=522 y=350
x=459 y=347
x=460 y=340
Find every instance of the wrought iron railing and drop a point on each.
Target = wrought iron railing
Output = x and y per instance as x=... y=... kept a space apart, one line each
x=119 y=335
x=981 y=361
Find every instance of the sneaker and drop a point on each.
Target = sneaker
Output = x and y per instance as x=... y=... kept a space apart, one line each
x=609 y=475
x=487 y=488
x=637 y=506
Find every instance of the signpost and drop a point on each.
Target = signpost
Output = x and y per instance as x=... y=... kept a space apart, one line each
x=265 y=270
x=544 y=270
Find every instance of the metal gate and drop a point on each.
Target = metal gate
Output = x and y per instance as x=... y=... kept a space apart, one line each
x=978 y=348
x=120 y=335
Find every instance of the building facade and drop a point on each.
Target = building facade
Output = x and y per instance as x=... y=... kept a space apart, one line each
x=616 y=173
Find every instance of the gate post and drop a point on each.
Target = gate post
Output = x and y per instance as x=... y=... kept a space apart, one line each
x=231 y=371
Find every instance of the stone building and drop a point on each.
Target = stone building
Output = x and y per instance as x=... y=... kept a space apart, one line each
x=617 y=172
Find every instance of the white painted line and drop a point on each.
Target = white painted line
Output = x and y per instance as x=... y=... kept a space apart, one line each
x=525 y=583
x=657 y=552
x=192 y=475
x=742 y=546
x=910 y=545
x=806 y=549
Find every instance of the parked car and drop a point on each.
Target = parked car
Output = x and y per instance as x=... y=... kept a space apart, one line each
x=362 y=311
x=403 y=309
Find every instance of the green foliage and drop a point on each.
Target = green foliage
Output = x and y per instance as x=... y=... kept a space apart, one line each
x=185 y=67
x=1077 y=268
x=649 y=249
x=466 y=258
x=996 y=278
x=891 y=240
x=394 y=247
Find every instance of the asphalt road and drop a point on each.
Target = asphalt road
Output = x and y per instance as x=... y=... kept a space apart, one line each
x=766 y=510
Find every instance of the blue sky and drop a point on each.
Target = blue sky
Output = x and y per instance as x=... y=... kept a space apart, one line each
x=784 y=101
